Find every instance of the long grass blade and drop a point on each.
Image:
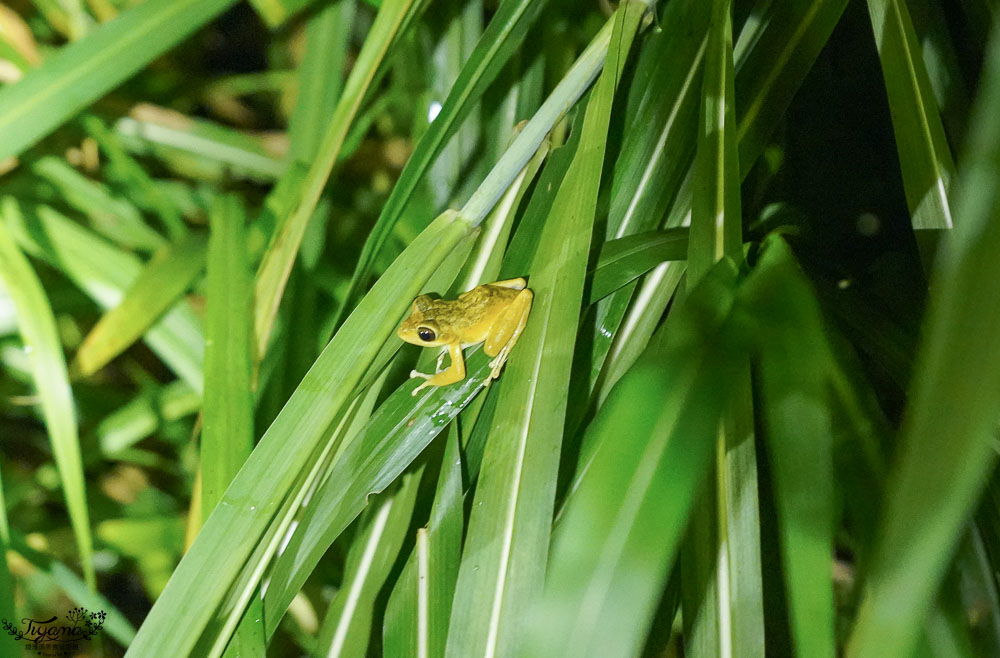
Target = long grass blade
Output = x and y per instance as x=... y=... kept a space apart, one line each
x=231 y=533
x=631 y=508
x=82 y=72
x=277 y=263
x=37 y=326
x=954 y=397
x=159 y=285
x=499 y=579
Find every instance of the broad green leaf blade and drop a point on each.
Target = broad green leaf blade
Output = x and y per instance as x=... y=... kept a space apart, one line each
x=320 y=82
x=416 y=616
x=115 y=218
x=953 y=399
x=500 y=574
x=797 y=415
x=772 y=56
x=349 y=623
x=105 y=273
x=499 y=41
x=623 y=260
x=227 y=415
x=37 y=327
x=722 y=553
x=81 y=72
x=159 y=285
x=287 y=238
x=613 y=547
x=924 y=156
x=231 y=533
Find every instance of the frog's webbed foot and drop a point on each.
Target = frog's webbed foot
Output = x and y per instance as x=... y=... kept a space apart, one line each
x=427 y=382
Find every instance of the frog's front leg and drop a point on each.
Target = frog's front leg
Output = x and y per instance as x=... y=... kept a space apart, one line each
x=505 y=332
x=454 y=373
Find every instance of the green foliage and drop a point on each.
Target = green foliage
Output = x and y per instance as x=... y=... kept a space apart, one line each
x=750 y=412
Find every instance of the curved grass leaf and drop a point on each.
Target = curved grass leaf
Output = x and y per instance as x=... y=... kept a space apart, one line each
x=954 y=398
x=157 y=287
x=797 y=415
x=623 y=260
x=105 y=273
x=416 y=616
x=37 y=326
x=613 y=548
x=499 y=41
x=237 y=524
x=81 y=72
x=512 y=511
x=924 y=156
x=275 y=268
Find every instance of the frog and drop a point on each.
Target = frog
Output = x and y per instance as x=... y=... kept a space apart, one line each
x=494 y=314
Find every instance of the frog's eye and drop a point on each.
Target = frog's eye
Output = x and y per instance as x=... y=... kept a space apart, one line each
x=426 y=335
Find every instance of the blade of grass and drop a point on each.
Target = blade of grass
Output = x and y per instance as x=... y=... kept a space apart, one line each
x=158 y=286
x=320 y=77
x=227 y=414
x=416 y=616
x=721 y=579
x=613 y=548
x=82 y=72
x=104 y=273
x=287 y=238
x=500 y=574
x=198 y=148
x=924 y=156
x=797 y=416
x=231 y=533
x=954 y=395
x=123 y=168
x=37 y=327
x=348 y=625
x=143 y=415
x=498 y=43
x=115 y=218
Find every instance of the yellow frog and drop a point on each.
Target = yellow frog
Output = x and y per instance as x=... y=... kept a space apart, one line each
x=494 y=313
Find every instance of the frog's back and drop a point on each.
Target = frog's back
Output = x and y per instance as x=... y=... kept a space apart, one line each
x=476 y=310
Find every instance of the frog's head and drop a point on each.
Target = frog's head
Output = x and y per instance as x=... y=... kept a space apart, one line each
x=419 y=328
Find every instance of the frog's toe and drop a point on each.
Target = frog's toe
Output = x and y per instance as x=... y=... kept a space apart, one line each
x=414 y=373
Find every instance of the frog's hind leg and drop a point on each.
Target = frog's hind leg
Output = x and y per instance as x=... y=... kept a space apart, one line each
x=505 y=332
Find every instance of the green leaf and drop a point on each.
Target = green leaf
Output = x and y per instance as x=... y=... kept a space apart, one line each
x=924 y=156
x=158 y=286
x=953 y=397
x=499 y=41
x=227 y=414
x=500 y=574
x=622 y=527
x=37 y=326
x=623 y=260
x=287 y=238
x=231 y=533
x=416 y=616
x=798 y=419
x=81 y=72
x=105 y=273
x=349 y=621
